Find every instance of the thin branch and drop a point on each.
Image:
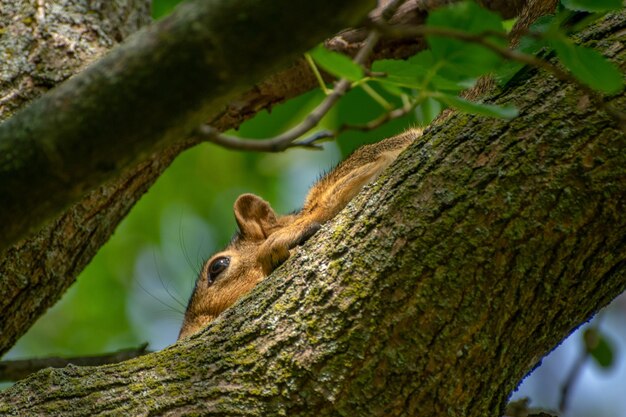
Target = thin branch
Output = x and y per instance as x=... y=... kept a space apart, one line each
x=386 y=117
x=571 y=378
x=577 y=367
x=390 y=9
x=377 y=97
x=19 y=369
x=504 y=52
x=316 y=72
x=287 y=139
x=323 y=135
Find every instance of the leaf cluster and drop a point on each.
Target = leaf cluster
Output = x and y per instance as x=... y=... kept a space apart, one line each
x=433 y=79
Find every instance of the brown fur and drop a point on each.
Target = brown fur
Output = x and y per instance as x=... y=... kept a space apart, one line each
x=265 y=239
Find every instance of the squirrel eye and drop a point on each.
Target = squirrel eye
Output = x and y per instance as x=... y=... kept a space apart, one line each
x=217 y=266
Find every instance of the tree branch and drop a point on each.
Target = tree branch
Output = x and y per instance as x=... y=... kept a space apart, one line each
x=112 y=115
x=48 y=41
x=19 y=369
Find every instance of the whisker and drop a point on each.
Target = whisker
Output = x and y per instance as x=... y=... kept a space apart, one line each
x=169 y=307
x=165 y=287
x=183 y=247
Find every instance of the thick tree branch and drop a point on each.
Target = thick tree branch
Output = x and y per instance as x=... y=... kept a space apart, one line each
x=45 y=42
x=434 y=293
x=113 y=114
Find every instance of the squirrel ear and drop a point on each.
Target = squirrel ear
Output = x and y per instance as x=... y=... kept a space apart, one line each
x=255 y=217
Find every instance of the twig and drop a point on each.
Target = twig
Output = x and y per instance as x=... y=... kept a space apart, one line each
x=316 y=72
x=391 y=9
x=510 y=54
x=376 y=97
x=386 y=117
x=19 y=369
x=571 y=378
x=287 y=139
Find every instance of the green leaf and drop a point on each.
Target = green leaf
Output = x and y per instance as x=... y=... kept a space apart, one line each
x=412 y=72
x=427 y=111
x=337 y=64
x=599 y=348
x=592 y=5
x=418 y=72
x=394 y=89
x=508 y=24
x=589 y=66
x=490 y=110
x=459 y=59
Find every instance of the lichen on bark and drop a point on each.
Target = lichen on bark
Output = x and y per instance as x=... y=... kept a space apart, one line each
x=42 y=43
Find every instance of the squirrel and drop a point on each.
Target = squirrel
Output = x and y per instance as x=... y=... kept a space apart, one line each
x=264 y=239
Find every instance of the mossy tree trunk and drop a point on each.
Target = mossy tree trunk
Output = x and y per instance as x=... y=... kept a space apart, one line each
x=434 y=293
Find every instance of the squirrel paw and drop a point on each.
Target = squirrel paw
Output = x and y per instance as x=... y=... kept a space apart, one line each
x=306 y=234
x=275 y=250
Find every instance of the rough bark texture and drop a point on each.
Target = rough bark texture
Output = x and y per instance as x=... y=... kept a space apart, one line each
x=42 y=43
x=433 y=294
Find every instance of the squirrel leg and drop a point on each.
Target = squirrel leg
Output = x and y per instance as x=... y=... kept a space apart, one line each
x=276 y=248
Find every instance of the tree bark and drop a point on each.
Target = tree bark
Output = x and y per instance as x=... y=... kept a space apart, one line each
x=53 y=40
x=433 y=293
x=45 y=42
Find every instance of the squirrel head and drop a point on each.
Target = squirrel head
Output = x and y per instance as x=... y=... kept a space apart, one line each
x=266 y=240
x=233 y=272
